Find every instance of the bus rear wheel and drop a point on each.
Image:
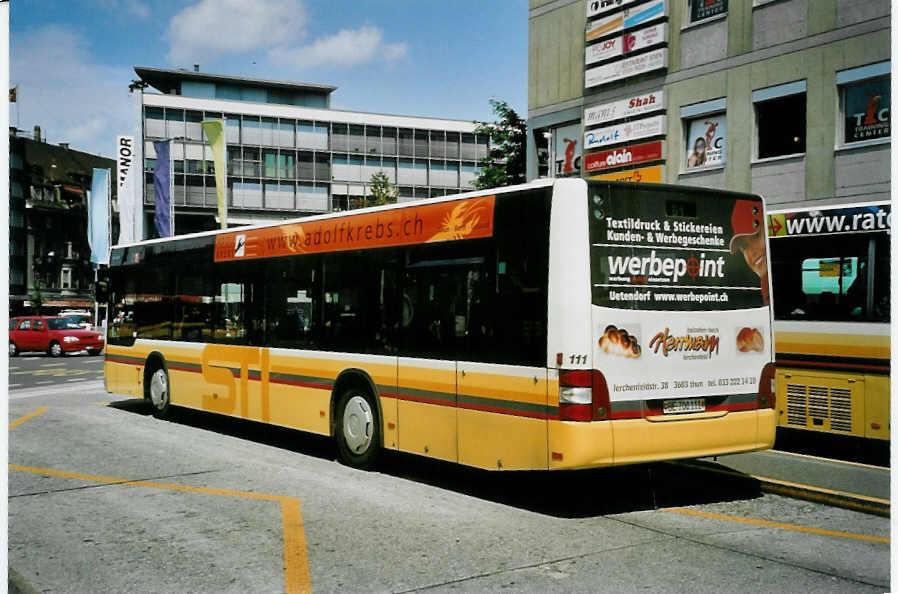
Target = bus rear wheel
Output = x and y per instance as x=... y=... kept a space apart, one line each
x=358 y=429
x=158 y=393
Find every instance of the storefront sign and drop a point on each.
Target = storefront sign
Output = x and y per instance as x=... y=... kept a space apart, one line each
x=598 y=7
x=624 y=132
x=867 y=110
x=653 y=174
x=626 y=68
x=628 y=155
x=625 y=108
x=626 y=43
x=627 y=19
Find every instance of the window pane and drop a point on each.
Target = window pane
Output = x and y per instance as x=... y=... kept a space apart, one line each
x=867 y=110
x=706 y=141
x=781 y=126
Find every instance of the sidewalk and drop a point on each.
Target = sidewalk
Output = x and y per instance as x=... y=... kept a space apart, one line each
x=844 y=484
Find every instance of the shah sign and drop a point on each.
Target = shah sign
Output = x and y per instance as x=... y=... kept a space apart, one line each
x=624 y=132
x=627 y=43
x=625 y=108
x=626 y=68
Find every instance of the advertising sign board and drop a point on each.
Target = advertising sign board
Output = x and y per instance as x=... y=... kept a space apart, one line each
x=653 y=174
x=624 y=132
x=626 y=68
x=672 y=304
x=598 y=7
x=627 y=43
x=852 y=219
x=706 y=142
x=625 y=108
x=567 y=150
x=627 y=155
x=629 y=18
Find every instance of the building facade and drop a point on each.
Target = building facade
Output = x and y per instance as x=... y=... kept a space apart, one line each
x=288 y=153
x=789 y=99
x=49 y=254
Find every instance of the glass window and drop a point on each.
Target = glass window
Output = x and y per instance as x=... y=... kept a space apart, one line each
x=406 y=142
x=824 y=278
x=174 y=123
x=340 y=138
x=293 y=302
x=285 y=134
x=781 y=126
x=372 y=140
x=422 y=141
x=194 y=125
x=356 y=139
x=232 y=129
x=361 y=309
x=700 y=10
x=705 y=141
x=251 y=130
x=389 y=141
x=866 y=110
x=305 y=167
x=452 y=145
x=269 y=131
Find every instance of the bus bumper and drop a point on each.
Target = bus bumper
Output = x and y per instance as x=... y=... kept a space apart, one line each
x=632 y=441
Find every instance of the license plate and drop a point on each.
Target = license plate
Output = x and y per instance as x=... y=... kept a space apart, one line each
x=683 y=405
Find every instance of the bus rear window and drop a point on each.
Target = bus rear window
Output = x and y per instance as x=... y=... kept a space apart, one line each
x=670 y=249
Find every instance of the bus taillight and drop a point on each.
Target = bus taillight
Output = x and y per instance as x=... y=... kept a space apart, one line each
x=583 y=396
x=767 y=387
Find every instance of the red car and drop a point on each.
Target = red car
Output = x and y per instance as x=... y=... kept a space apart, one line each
x=54 y=335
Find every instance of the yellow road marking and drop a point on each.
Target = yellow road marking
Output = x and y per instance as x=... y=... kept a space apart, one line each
x=52 y=364
x=296 y=567
x=792 y=527
x=28 y=417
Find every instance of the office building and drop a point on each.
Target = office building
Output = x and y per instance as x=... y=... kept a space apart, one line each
x=288 y=152
x=789 y=99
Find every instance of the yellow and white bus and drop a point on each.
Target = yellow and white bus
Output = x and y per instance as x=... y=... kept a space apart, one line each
x=554 y=325
x=830 y=273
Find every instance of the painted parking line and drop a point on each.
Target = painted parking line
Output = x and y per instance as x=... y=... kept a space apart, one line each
x=791 y=527
x=296 y=565
x=28 y=417
x=14 y=385
x=52 y=364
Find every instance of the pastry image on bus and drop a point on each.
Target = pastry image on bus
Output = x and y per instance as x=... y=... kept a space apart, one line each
x=617 y=341
x=749 y=339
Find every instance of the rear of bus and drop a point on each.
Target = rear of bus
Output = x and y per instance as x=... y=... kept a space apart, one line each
x=660 y=327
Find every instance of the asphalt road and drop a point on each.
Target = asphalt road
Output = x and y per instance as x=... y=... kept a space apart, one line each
x=29 y=370
x=105 y=498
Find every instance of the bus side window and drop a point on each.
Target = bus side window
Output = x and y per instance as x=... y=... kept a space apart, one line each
x=292 y=302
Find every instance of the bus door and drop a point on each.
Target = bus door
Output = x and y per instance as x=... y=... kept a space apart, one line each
x=427 y=378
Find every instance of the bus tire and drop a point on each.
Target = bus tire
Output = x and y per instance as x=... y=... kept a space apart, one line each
x=357 y=428
x=158 y=392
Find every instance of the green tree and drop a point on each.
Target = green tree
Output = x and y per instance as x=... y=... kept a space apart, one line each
x=505 y=163
x=382 y=191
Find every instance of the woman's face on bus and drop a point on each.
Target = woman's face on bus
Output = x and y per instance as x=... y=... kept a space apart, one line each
x=754 y=250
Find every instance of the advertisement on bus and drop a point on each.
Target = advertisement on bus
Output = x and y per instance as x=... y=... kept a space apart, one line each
x=680 y=292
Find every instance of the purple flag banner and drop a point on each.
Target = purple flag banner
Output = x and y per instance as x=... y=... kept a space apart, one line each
x=162 y=178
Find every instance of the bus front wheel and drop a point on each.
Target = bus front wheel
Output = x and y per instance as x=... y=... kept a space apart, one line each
x=357 y=429
x=158 y=393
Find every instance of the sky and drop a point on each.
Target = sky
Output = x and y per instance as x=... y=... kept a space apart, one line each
x=73 y=61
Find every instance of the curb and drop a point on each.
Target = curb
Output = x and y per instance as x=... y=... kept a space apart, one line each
x=843 y=499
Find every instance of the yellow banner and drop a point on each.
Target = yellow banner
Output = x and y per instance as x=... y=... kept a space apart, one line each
x=652 y=174
x=215 y=132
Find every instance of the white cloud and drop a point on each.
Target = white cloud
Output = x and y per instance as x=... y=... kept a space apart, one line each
x=211 y=28
x=346 y=49
x=66 y=91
